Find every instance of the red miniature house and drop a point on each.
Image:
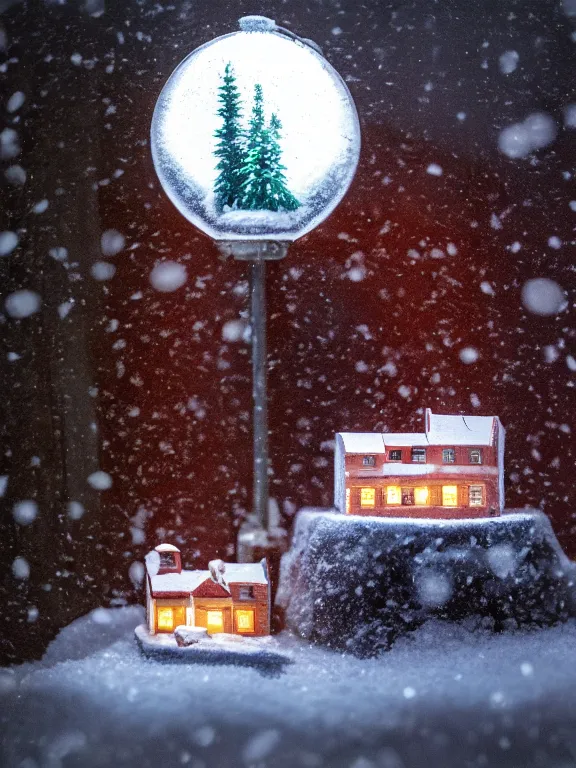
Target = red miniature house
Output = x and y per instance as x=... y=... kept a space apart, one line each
x=455 y=468
x=229 y=597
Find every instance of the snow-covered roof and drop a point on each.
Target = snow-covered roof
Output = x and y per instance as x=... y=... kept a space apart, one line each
x=185 y=581
x=188 y=581
x=444 y=430
x=460 y=430
x=251 y=573
x=166 y=548
x=362 y=442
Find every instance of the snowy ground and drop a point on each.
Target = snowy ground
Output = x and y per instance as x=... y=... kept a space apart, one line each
x=444 y=697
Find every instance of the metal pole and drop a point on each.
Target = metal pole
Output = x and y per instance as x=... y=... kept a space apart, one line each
x=259 y=393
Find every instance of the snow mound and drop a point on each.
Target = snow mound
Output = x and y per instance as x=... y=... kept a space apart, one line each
x=359 y=583
x=254 y=651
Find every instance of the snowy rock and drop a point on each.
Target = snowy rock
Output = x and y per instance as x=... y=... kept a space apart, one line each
x=168 y=276
x=358 y=583
x=190 y=635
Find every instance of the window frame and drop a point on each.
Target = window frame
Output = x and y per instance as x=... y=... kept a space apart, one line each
x=472 y=451
x=246 y=592
x=395 y=451
x=369 y=460
x=421 y=453
x=482 y=497
x=448 y=452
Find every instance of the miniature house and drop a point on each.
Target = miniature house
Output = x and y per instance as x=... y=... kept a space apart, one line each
x=229 y=597
x=455 y=468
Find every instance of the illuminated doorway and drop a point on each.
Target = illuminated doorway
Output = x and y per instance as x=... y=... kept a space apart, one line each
x=214 y=621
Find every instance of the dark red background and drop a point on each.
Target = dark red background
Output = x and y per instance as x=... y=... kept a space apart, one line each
x=187 y=479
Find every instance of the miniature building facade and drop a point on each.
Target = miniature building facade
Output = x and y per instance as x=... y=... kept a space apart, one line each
x=455 y=468
x=229 y=597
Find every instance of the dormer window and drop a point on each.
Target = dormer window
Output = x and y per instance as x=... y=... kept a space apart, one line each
x=395 y=455
x=168 y=560
x=448 y=456
x=246 y=593
x=475 y=456
x=368 y=461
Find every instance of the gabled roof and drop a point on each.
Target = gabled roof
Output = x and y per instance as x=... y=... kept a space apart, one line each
x=459 y=430
x=182 y=583
x=440 y=430
x=187 y=582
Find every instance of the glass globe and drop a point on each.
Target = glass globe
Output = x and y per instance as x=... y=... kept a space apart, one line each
x=255 y=136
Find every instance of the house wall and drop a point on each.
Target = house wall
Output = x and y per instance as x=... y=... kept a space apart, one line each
x=228 y=605
x=434 y=507
x=433 y=474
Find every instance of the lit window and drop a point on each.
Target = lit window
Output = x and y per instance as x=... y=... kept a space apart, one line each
x=367 y=497
x=393 y=494
x=421 y=496
x=407 y=496
x=165 y=619
x=475 y=456
x=246 y=593
x=368 y=461
x=449 y=496
x=448 y=455
x=214 y=621
x=476 y=496
x=419 y=455
x=244 y=620
x=394 y=455
x=347 y=499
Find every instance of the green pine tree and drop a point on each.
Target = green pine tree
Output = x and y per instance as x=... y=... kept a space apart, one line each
x=279 y=196
x=229 y=148
x=263 y=181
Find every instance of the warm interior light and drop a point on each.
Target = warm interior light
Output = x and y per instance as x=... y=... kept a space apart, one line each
x=367 y=497
x=393 y=494
x=245 y=620
x=214 y=621
x=347 y=499
x=449 y=496
x=165 y=619
x=421 y=495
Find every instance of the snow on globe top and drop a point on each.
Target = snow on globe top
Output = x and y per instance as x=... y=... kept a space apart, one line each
x=255 y=136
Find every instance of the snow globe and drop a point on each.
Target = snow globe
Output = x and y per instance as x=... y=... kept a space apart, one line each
x=255 y=136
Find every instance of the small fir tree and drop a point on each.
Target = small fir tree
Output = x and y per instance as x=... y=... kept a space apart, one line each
x=263 y=181
x=229 y=148
x=279 y=195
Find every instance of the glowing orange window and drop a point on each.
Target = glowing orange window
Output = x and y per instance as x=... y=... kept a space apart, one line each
x=244 y=620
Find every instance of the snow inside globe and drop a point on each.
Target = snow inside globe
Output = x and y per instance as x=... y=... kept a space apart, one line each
x=255 y=136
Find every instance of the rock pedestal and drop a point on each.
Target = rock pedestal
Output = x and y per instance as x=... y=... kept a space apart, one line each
x=358 y=583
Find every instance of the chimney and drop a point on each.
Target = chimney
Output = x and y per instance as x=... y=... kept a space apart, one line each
x=170 y=559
